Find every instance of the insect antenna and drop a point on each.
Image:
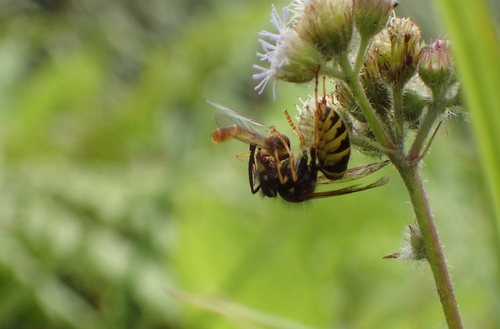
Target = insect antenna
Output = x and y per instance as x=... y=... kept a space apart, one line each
x=297 y=131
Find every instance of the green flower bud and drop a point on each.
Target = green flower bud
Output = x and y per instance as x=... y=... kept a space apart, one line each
x=413 y=107
x=376 y=89
x=370 y=16
x=327 y=25
x=360 y=136
x=397 y=49
x=346 y=98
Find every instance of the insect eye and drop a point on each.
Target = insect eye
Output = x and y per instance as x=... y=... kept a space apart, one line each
x=287 y=140
x=277 y=141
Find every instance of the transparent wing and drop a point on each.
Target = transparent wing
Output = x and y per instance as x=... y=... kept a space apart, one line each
x=355 y=173
x=241 y=127
x=349 y=189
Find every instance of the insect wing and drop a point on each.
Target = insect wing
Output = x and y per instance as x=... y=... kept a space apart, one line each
x=243 y=128
x=349 y=189
x=355 y=173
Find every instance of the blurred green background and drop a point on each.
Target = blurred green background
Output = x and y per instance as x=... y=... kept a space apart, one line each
x=113 y=199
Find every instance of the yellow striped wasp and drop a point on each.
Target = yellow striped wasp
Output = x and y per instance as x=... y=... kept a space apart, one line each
x=275 y=170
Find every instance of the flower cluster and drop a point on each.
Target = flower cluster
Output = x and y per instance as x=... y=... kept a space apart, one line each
x=343 y=39
x=389 y=94
x=386 y=81
x=318 y=32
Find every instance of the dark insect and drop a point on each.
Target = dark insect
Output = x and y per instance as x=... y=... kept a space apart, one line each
x=268 y=148
x=275 y=170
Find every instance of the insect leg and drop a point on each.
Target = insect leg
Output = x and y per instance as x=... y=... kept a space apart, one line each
x=278 y=160
x=252 y=170
x=240 y=156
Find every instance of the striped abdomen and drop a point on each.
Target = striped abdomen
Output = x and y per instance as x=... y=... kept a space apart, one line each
x=334 y=147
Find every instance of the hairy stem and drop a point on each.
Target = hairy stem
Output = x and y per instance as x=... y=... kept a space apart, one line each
x=433 y=112
x=360 y=58
x=352 y=80
x=434 y=249
x=397 y=99
x=408 y=169
x=331 y=72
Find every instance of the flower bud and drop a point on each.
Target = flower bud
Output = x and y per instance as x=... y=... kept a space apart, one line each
x=327 y=25
x=370 y=16
x=397 y=49
x=361 y=135
x=349 y=103
x=376 y=89
x=292 y=59
x=436 y=65
x=377 y=92
x=413 y=107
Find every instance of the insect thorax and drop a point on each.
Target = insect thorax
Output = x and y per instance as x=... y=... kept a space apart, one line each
x=300 y=190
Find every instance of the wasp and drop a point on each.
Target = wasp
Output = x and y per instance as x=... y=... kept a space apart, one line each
x=269 y=150
x=275 y=170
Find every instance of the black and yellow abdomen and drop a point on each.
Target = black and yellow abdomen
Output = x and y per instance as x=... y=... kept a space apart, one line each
x=334 y=148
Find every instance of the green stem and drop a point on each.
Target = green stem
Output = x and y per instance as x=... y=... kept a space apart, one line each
x=331 y=72
x=352 y=79
x=408 y=170
x=434 y=249
x=433 y=112
x=363 y=139
x=397 y=103
x=360 y=58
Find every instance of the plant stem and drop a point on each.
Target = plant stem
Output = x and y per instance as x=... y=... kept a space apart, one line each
x=331 y=72
x=360 y=58
x=399 y=122
x=434 y=249
x=352 y=79
x=434 y=111
x=407 y=167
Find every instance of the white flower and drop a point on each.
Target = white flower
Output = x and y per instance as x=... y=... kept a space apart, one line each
x=292 y=59
x=297 y=10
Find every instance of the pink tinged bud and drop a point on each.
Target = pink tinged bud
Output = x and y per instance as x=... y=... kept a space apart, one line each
x=436 y=65
x=291 y=58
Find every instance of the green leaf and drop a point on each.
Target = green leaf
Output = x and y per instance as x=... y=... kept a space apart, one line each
x=476 y=49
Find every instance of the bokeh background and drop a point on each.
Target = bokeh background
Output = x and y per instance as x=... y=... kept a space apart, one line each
x=117 y=211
